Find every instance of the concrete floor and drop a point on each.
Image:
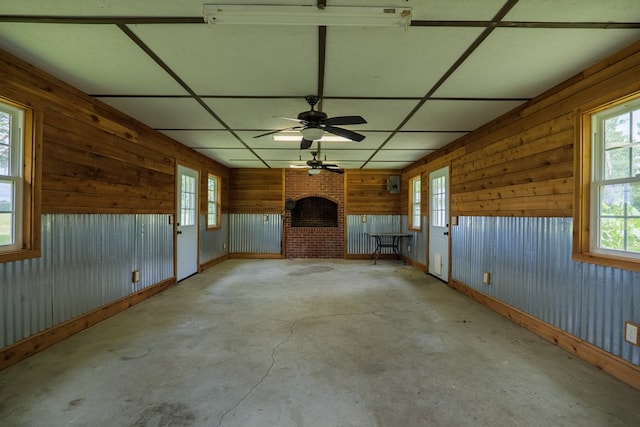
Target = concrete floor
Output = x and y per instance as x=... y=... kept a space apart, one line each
x=310 y=343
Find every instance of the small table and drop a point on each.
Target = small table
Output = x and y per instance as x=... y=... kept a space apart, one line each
x=387 y=240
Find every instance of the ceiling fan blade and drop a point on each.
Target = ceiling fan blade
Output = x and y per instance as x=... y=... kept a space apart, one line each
x=332 y=169
x=345 y=120
x=330 y=166
x=276 y=131
x=345 y=133
x=289 y=118
x=305 y=143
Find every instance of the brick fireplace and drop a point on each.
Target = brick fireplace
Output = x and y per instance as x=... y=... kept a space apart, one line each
x=319 y=215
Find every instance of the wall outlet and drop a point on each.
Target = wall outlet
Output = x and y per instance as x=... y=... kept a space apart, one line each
x=631 y=332
x=408 y=248
x=363 y=218
x=265 y=218
x=486 y=278
x=135 y=277
x=224 y=246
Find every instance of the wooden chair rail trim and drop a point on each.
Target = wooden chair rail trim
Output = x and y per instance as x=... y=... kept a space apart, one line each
x=615 y=366
x=31 y=345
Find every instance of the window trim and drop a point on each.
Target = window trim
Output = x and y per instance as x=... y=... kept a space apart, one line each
x=31 y=184
x=583 y=171
x=413 y=203
x=217 y=225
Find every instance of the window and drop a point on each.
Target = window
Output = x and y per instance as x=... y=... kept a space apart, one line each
x=608 y=208
x=414 y=204
x=19 y=209
x=213 y=200
x=439 y=202
x=188 y=201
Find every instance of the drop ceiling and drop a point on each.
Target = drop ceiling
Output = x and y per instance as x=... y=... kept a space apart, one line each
x=214 y=88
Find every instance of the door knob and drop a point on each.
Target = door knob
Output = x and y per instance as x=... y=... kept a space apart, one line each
x=179 y=232
x=446 y=233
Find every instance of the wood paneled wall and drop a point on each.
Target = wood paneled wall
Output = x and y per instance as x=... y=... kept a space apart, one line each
x=366 y=192
x=521 y=164
x=256 y=191
x=96 y=159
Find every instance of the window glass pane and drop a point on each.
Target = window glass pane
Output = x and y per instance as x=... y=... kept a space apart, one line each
x=612 y=233
x=5 y=141
x=617 y=131
x=635 y=126
x=633 y=199
x=6 y=229
x=617 y=163
x=612 y=200
x=188 y=208
x=633 y=235
x=6 y=196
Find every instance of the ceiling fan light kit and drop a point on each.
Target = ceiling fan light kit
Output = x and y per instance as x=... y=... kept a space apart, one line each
x=355 y=16
x=312 y=133
x=314 y=171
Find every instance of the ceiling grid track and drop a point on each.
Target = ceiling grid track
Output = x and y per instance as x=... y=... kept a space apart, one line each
x=186 y=87
x=477 y=42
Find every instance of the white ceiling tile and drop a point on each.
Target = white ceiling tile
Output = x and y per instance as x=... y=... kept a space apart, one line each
x=440 y=115
x=261 y=114
x=379 y=114
x=283 y=154
x=462 y=10
x=386 y=165
x=345 y=155
x=103 y=8
x=422 y=140
x=235 y=158
x=97 y=59
x=399 y=155
x=238 y=60
x=205 y=138
x=383 y=62
x=514 y=63
x=166 y=113
x=575 y=11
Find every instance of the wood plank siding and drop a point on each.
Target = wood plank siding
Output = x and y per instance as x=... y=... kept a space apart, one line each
x=366 y=192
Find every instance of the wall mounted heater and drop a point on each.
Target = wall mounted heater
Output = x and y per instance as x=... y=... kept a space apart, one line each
x=354 y=16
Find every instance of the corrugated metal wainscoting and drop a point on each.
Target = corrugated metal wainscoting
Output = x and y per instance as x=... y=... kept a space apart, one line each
x=531 y=269
x=357 y=240
x=87 y=262
x=418 y=241
x=255 y=233
x=213 y=242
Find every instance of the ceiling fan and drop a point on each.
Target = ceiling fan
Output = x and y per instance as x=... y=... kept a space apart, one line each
x=313 y=124
x=315 y=165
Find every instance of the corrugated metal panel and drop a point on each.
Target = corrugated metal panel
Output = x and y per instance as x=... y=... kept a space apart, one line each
x=86 y=262
x=418 y=241
x=357 y=240
x=531 y=267
x=250 y=233
x=213 y=243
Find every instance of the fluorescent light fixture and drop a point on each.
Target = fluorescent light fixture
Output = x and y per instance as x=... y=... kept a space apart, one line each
x=354 y=16
x=314 y=171
x=297 y=138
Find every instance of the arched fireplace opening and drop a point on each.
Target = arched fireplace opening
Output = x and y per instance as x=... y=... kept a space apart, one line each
x=314 y=212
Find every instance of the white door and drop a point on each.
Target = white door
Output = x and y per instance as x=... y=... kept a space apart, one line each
x=187 y=222
x=439 y=223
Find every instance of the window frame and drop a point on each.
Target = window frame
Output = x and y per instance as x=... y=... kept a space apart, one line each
x=215 y=203
x=29 y=208
x=586 y=209
x=415 y=203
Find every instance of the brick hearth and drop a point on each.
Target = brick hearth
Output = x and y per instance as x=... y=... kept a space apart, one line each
x=314 y=242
